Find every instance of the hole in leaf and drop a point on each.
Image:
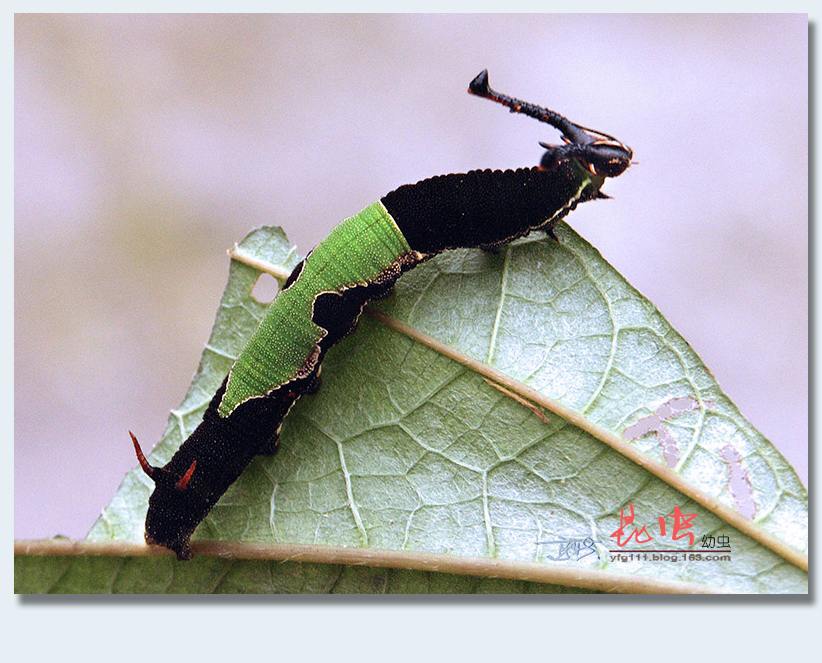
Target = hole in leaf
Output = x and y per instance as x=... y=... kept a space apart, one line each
x=654 y=424
x=265 y=289
x=739 y=481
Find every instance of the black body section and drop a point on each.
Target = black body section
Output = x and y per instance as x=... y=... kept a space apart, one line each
x=482 y=208
x=222 y=448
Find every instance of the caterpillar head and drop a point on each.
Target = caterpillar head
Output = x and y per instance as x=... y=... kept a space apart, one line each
x=175 y=508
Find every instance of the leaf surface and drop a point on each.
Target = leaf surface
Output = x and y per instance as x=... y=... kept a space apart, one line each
x=405 y=448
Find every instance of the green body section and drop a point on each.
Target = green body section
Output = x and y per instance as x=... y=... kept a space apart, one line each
x=285 y=344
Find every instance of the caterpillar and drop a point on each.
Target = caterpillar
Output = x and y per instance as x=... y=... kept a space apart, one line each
x=360 y=260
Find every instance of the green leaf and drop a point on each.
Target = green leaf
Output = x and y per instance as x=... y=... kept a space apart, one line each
x=410 y=448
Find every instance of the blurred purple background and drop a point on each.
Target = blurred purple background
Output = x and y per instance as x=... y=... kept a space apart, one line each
x=145 y=146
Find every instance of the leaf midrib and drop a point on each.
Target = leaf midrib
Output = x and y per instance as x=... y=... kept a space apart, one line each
x=482 y=567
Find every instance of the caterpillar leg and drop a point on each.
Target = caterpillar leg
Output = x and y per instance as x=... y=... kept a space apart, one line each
x=314 y=384
x=270 y=446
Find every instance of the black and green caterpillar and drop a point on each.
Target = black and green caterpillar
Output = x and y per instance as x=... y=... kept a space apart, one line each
x=358 y=262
